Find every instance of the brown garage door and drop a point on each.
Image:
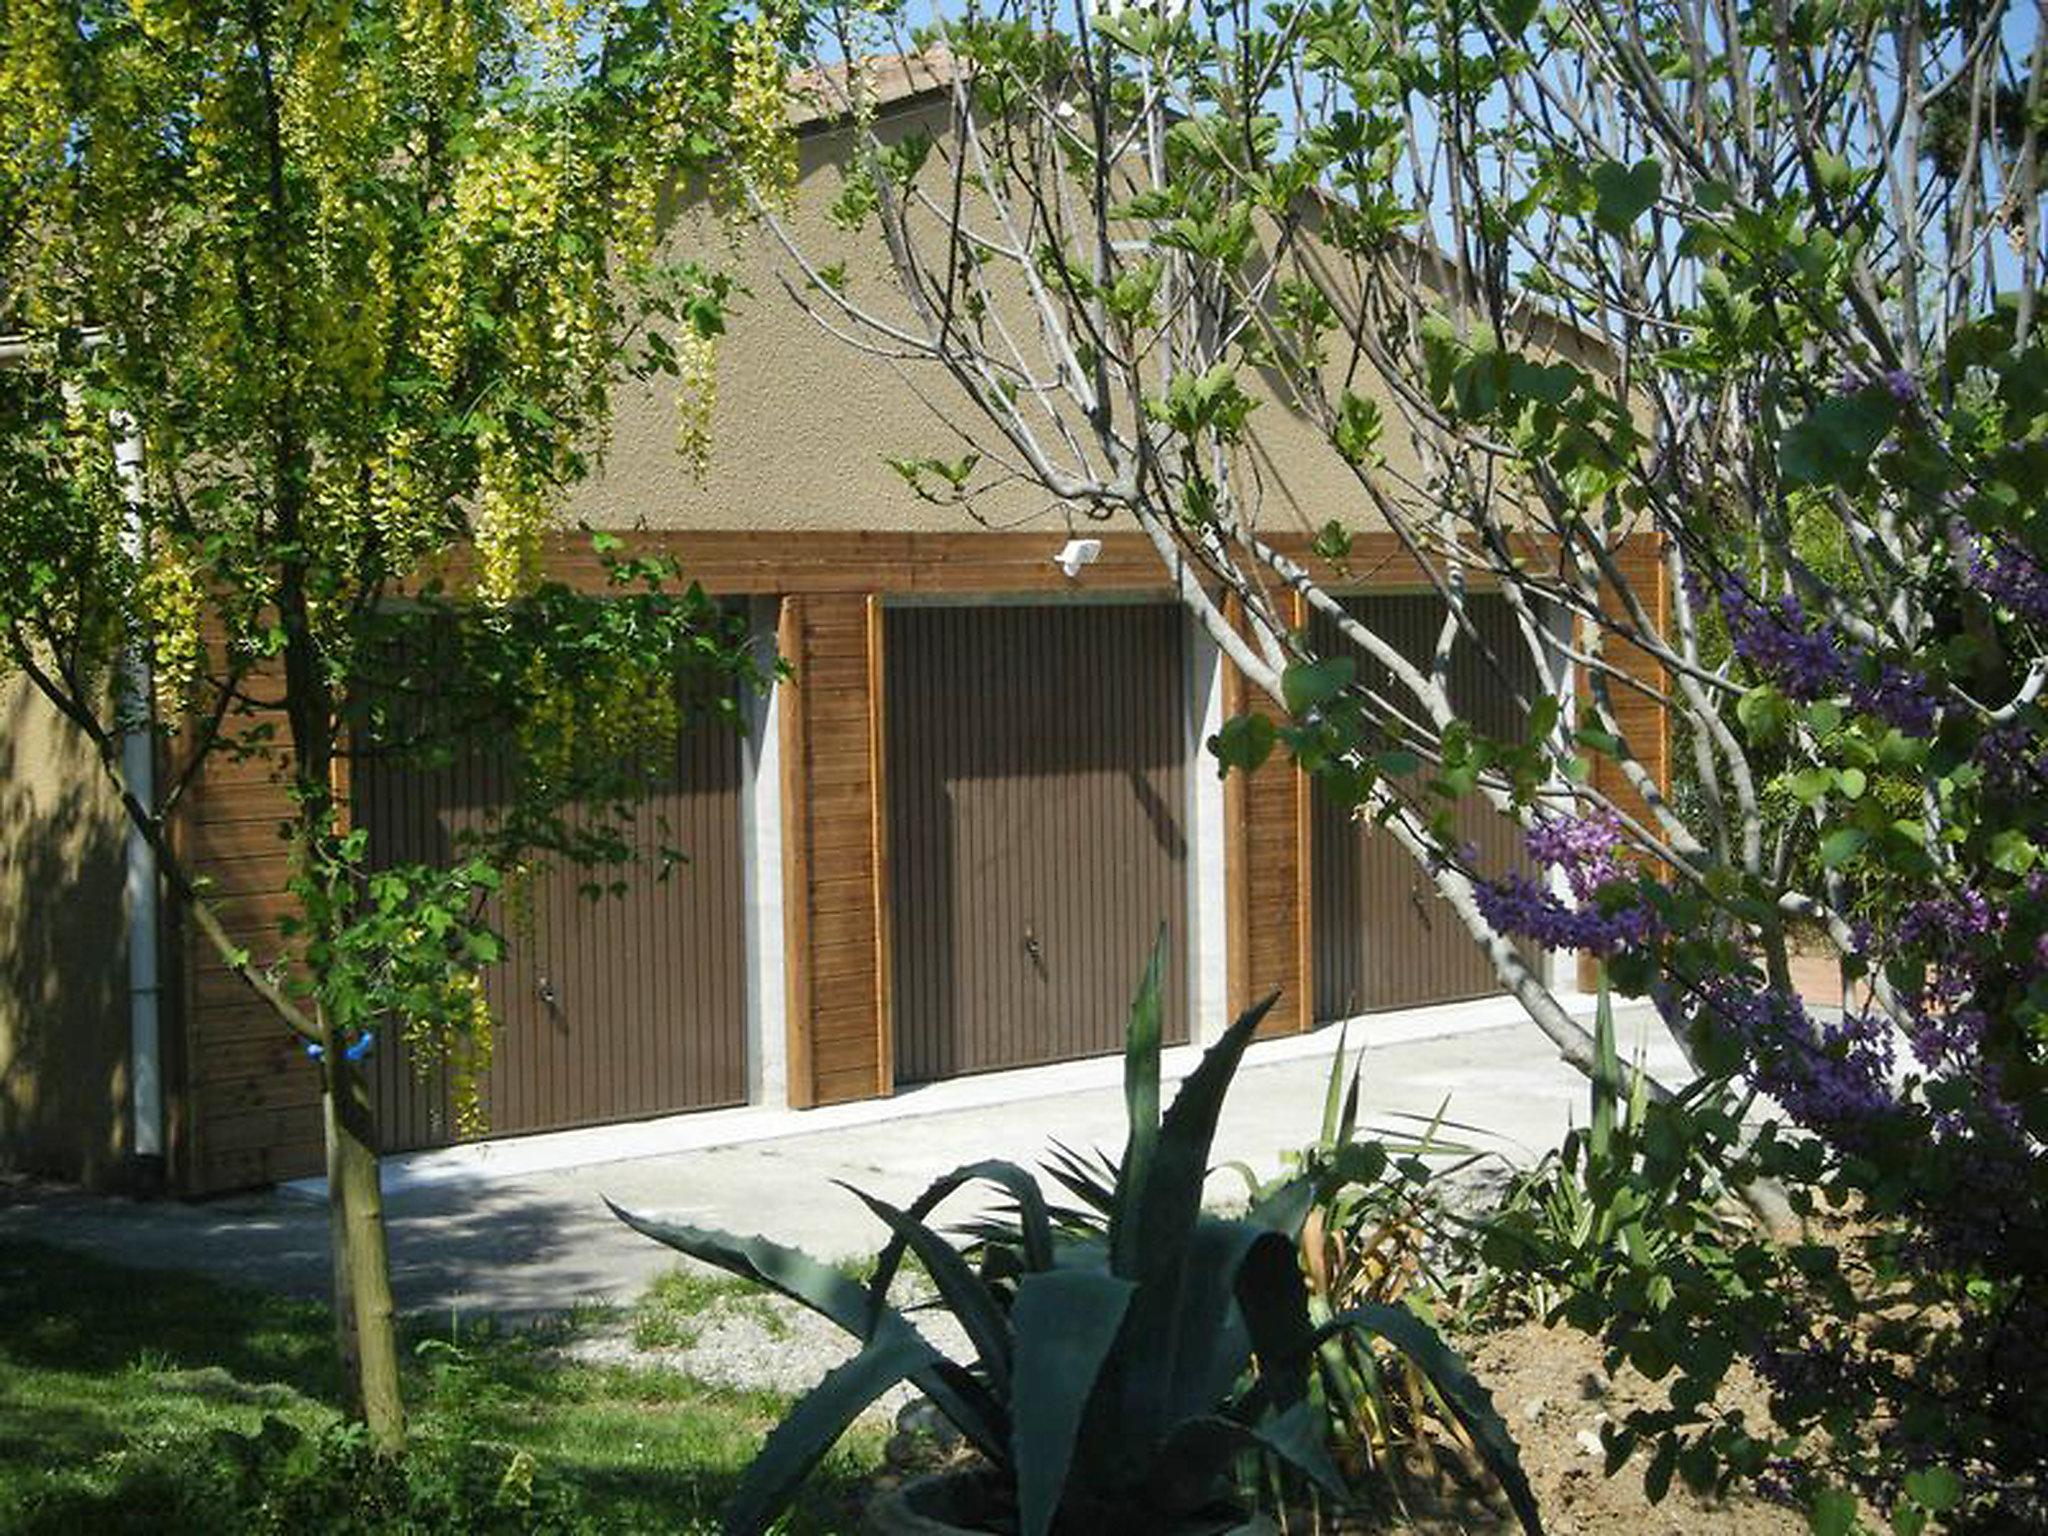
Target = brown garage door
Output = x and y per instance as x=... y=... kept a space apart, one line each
x=1036 y=765
x=1383 y=937
x=611 y=1008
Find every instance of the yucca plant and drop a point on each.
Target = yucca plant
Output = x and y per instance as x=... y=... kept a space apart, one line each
x=1125 y=1370
x=1374 y=1222
x=1632 y=1181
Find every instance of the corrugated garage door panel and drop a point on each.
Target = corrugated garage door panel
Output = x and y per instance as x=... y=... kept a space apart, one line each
x=1266 y=867
x=1384 y=938
x=836 y=948
x=608 y=1008
x=1036 y=828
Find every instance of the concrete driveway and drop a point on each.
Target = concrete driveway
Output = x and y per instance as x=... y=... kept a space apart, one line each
x=517 y=1236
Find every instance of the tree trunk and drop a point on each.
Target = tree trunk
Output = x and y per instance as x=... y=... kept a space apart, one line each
x=365 y=1319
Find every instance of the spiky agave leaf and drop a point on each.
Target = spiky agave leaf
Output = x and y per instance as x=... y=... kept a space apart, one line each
x=1066 y=1322
x=831 y=1294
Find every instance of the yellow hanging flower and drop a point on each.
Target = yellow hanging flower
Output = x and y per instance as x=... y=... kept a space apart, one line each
x=172 y=603
x=469 y=1062
x=511 y=523
x=696 y=400
x=764 y=149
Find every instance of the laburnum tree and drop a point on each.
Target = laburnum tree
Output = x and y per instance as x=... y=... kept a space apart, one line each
x=308 y=305
x=1759 y=283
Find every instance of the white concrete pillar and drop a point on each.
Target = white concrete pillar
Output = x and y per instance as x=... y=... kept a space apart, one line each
x=1208 y=924
x=761 y=840
x=1561 y=966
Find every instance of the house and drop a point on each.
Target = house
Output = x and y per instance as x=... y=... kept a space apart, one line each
x=943 y=849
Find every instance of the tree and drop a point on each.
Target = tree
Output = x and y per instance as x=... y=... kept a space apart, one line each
x=1761 y=283
x=304 y=296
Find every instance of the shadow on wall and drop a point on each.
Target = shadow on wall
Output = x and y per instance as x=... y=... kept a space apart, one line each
x=63 y=951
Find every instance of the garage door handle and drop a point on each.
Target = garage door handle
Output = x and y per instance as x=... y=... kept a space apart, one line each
x=1033 y=948
x=547 y=991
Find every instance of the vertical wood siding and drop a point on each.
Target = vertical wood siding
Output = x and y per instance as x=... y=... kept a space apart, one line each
x=610 y=1007
x=1645 y=725
x=1036 y=841
x=1383 y=937
x=245 y=1100
x=838 y=1045
x=1266 y=870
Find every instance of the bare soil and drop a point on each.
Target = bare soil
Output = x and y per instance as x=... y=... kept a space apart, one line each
x=1551 y=1387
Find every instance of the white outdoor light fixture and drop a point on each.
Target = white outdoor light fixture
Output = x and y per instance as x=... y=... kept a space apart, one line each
x=1076 y=553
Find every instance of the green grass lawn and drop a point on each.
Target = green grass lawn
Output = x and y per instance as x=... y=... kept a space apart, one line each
x=136 y=1400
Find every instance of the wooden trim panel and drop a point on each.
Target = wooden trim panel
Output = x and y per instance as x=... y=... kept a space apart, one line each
x=1267 y=870
x=833 y=865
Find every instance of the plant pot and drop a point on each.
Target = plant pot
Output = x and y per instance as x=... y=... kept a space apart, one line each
x=961 y=1502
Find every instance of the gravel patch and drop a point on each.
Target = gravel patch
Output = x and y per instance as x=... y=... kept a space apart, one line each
x=762 y=1342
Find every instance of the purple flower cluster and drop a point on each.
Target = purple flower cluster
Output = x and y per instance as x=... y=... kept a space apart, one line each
x=1812 y=661
x=1896 y=382
x=1898 y=696
x=2013 y=757
x=2009 y=576
x=1520 y=908
x=1949 y=935
x=1587 y=852
x=1585 y=849
x=1832 y=1076
x=1774 y=638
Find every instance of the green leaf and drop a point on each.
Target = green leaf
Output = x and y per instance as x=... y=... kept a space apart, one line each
x=1332 y=541
x=964 y=1292
x=1306 y=684
x=832 y=1295
x=1935 y=1489
x=796 y=1445
x=786 y=1271
x=1853 y=782
x=1832 y=1513
x=1245 y=741
x=1624 y=193
x=1356 y=434
x=1604 y=742
x=1066 y=1321
x=1171 y=1201
x=1763 y=713
x=1141 y=1107
x=1460 y=1391
x=1333 y=1088
x=1809 y=785
x=1657 y=1476
x=1606 y=1085
x=2013 y=851
x=1034 y=1224
x=1833 y=444
x=1195 y=1333
x=1842 y=845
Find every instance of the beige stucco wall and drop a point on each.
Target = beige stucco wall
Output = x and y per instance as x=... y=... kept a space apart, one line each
x=804 y=421
x=63 y=951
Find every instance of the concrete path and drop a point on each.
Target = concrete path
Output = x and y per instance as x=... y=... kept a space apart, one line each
x=518 y=1243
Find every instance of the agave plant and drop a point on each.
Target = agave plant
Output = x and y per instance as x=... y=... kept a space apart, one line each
x=1123 y=1369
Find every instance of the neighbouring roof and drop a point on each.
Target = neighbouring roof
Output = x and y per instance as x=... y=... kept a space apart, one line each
x=825 y=95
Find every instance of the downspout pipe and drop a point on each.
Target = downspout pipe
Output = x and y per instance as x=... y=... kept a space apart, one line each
x=138 y=767
x=142 y=886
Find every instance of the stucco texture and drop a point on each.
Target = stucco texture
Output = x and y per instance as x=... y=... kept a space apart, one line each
x=804 y=421
x=63 y=950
